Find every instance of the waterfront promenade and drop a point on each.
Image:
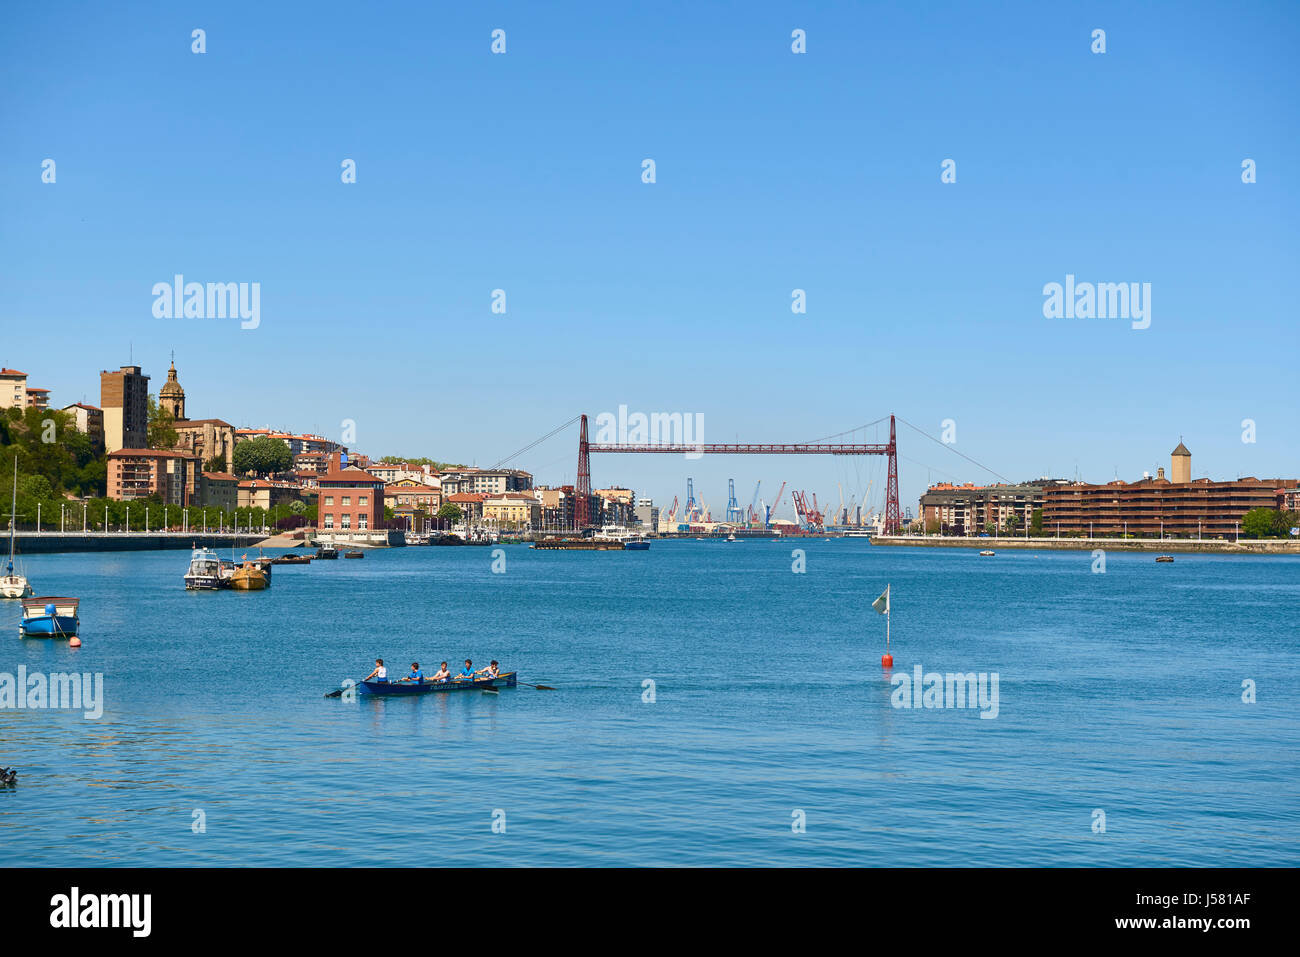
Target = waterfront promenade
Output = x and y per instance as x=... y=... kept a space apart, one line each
x=32 y=543
x=1245 y=546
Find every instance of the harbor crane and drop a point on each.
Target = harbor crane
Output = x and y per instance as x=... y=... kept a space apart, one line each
x=672 y=512
x=692 y=506
x=769 y=510
x=733 y=507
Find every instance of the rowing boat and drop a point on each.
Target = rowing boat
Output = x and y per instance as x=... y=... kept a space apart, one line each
x=50 y=618
x=504 y=680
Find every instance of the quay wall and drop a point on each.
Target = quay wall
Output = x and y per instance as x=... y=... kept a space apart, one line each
x=38 y=543
x=1159 y=546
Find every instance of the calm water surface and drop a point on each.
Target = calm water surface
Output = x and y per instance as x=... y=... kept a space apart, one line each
x=1119 y=691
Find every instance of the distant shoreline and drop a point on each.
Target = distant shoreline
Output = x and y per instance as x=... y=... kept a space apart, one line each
x=1161 y=546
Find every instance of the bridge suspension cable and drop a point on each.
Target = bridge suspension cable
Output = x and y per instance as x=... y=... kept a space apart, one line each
x=536 y=442
x=954 y=451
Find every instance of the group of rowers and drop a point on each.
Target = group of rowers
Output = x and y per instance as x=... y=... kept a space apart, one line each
x=466 y=674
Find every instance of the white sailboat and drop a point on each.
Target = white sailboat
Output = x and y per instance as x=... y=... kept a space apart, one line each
x=13 y=585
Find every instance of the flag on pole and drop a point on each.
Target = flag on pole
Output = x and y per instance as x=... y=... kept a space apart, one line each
x=881 y=604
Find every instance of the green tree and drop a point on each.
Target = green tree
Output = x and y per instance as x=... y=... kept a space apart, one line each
x=215 y=464
x=1260 y=523
x=412 y=460
x=1036 y=522
x=46 y=442
x=450 y=513
x=161 y=432
x=262 y=456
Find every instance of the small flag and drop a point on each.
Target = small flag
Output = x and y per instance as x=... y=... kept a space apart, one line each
x=881 y=604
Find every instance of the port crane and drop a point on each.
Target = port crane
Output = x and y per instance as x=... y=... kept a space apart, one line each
x=753 y=515
x=734 y=513
x=810 y=516
x=672 y=512
x=692 y=506
x=769 y=509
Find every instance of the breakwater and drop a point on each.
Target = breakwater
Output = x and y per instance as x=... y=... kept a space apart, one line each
x=1158 y=546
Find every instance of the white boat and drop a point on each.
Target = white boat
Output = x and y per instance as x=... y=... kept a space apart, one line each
x=615 y=533
x=986 y=553
x=13 y=585
x=207 y=571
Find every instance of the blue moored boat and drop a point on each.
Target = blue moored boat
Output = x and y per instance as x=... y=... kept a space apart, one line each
x=504 y=680
x=49 y=618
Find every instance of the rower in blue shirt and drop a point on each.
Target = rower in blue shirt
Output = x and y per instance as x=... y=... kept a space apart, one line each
x=416 y=674
x=467 y=673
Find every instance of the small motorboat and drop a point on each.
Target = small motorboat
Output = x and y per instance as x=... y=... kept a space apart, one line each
x=249 y=576
x=354 y=553
x=504 y=680
x=50 y=617
x=207 y=572
x=292 y=560
x=327 y=551
x=1164 y=558
x=636 y=545
x=988 y=552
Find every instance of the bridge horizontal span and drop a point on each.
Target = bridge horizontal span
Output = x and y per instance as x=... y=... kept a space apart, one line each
x=749 y=449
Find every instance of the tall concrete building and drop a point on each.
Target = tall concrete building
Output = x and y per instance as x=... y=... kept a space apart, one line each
x=1180 y=465
x=124 y=399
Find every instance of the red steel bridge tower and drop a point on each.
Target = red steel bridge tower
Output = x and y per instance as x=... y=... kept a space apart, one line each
x=582 y=491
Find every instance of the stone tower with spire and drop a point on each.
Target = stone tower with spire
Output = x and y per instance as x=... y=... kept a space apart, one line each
x=1180 y=464
x=171 y=396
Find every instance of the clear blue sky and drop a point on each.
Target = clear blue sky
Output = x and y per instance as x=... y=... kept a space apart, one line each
x=775 y=171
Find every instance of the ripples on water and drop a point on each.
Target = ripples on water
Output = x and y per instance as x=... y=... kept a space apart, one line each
x=1119 y=691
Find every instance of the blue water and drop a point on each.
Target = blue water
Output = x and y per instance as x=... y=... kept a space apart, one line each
x=1118 y=691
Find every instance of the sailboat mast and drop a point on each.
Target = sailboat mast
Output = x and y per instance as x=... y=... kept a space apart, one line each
x=13 y=510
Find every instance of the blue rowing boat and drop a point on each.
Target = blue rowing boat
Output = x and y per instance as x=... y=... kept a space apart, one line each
x=49 y=617
x=504 y=680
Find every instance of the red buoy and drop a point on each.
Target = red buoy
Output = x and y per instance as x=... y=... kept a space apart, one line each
x=74 y=642
x=887 y=661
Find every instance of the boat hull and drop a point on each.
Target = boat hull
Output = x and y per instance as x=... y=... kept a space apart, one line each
x=50 y=626
x=249 y=578
x=394 y=688
x=15 y=586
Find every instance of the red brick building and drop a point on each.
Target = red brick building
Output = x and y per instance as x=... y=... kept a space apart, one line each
x=349 y=499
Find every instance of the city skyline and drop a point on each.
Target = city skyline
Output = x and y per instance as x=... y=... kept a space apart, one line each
x=797 y=172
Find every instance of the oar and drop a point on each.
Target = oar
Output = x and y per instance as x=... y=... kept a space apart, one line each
x=538 y=687
x=337 y=692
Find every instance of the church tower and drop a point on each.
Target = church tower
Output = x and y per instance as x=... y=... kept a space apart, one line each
x=171 y=396
x=1180 y=464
